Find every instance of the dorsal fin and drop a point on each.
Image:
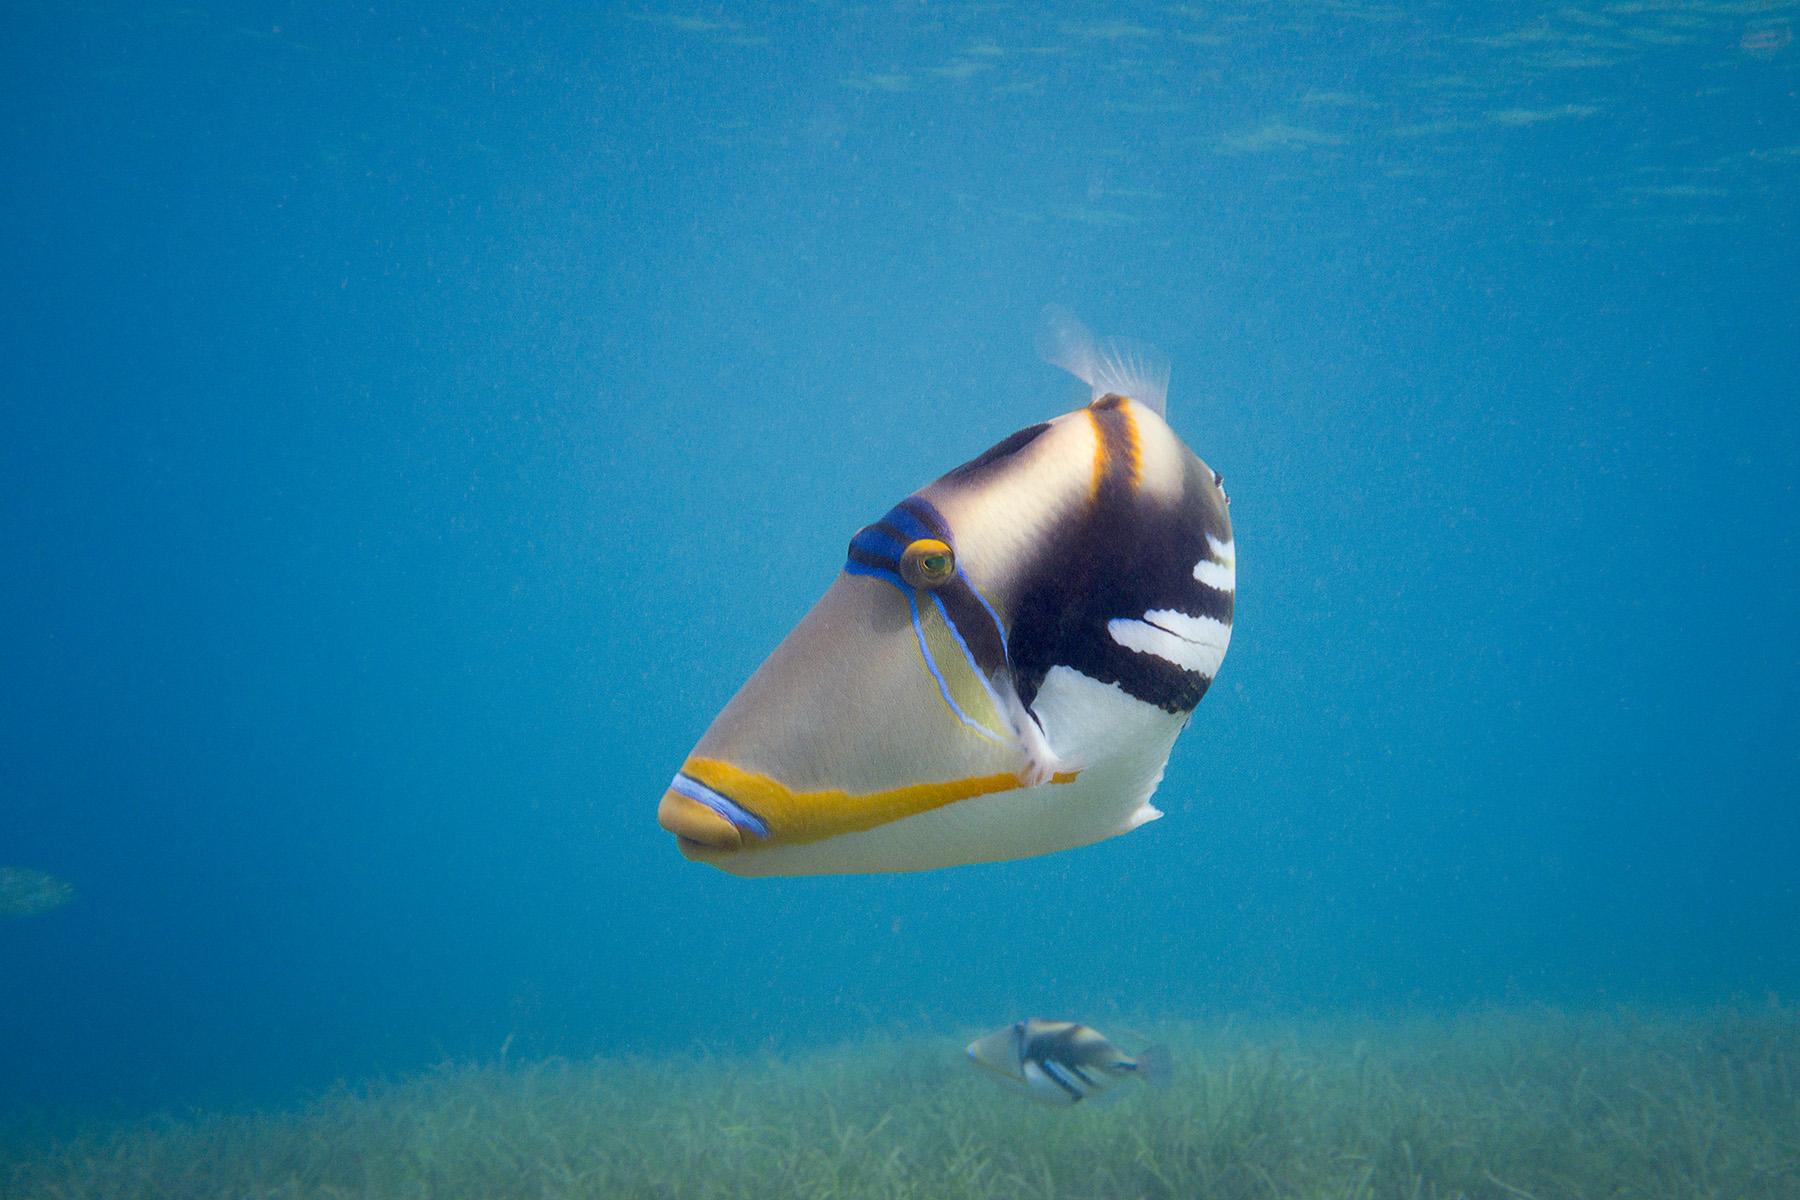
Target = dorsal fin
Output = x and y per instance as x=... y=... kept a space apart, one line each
x=1111 y=365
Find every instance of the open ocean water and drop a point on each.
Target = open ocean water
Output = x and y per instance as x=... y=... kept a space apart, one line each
x=420 y=419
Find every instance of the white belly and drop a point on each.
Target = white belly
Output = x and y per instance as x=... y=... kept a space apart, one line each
x=1119 y=744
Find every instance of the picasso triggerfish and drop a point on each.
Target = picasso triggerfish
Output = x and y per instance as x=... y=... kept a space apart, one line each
x=1003 y=664
x=1060 y=1062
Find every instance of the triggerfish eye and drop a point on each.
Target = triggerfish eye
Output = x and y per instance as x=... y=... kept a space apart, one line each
x=1003 y=664
x=927 y=563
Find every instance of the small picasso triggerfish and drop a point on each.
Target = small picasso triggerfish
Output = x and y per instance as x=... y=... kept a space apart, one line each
x=1060 y=1062
x=1003 y=664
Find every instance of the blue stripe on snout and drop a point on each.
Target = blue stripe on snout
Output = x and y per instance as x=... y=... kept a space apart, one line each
x=910 y=522
x=725 y=806
x=877 y=543
x=882 y=573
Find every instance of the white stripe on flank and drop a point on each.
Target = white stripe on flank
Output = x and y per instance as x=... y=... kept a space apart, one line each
x=1192 y=643
x=1218 y=576
x=1208 y=635
x=1064 y=1076
x=1219 y=569
x=1206 y=631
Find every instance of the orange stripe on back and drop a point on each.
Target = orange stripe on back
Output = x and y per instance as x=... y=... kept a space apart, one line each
x=1134 y=460
x=1100 y=454
x=1116 y=452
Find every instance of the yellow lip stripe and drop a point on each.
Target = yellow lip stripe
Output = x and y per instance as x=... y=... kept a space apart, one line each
x=799 y=817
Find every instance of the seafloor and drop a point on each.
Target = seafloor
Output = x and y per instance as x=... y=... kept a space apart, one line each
x=1502 y=1105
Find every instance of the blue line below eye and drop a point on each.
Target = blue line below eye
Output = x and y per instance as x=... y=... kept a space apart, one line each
x=967 y=655
x=931 y=664
x=999 y=627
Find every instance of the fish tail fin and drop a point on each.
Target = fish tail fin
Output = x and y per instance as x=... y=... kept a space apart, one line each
x=1110 y=365
x=1155 y=1066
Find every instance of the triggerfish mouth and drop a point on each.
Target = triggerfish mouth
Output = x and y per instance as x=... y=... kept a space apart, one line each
x=1002 y=666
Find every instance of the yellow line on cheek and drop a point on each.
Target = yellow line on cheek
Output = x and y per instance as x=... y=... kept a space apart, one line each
x=799 y=817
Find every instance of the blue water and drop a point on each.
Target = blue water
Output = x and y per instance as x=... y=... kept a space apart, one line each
x=419 y=421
